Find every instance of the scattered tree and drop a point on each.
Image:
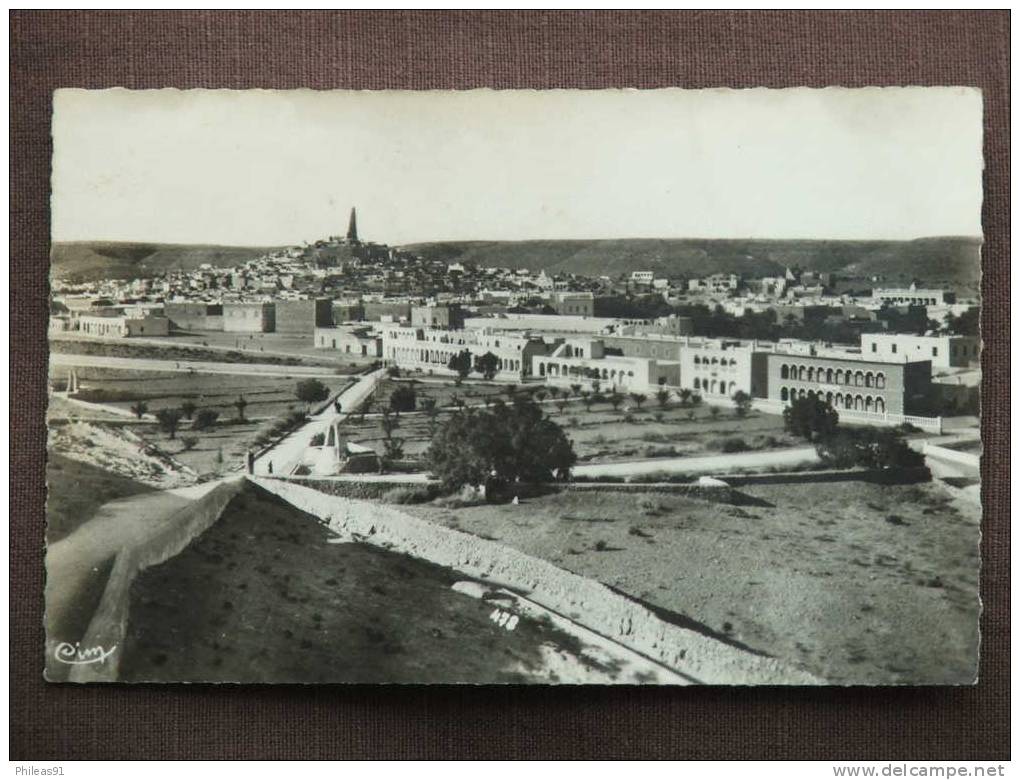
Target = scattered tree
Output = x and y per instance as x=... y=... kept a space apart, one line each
x=461 y=363
x=189 y=442
x=714 y=411
x=403 y=399
x=311 y=391
x=638 y=399
x=240 y=404
x=188 y=409
x=741 y=403
x=206 y=418
x=685 y=396
x=139 y=408
x=487 y=365
x=393 y=448
x=662 y=397
x=169 y=420
x=810 y=418
x=575 y=389
x=615 y=399
x=587 y=400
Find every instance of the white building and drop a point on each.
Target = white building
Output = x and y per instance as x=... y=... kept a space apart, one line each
x=945 y=351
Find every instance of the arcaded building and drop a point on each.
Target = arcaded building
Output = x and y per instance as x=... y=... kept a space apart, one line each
x=430 y=350
x=715 y=369
x=851 y=382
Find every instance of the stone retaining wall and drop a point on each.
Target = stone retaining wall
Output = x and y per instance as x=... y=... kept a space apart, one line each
x=108 y=626
x=699 y=657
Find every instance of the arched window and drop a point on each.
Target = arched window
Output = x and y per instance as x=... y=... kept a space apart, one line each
x=784 y=372
x=802 y=374
x=733 y=388
x=880 y=380
x=697 y=383
x=697 y=360
x=880 y=405
x=859 y=403
x=828 y=398
x=784 y=394
x=839 y=376
x=869 y=404
x=828 y=376
x=869 y=379
x=811 y=374
x=839 y=400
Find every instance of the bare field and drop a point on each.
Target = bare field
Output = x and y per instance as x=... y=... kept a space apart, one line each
x=847 y=579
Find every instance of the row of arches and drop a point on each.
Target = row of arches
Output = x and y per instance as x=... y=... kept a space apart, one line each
x=848 y=401
x=555 y=369
x=440 y=357
x=831 y=376
x=715 y=386
x=715 y=361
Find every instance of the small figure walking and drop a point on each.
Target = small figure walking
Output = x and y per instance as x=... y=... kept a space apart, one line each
x=336 y=405
x=251 y=462
x=270 y=467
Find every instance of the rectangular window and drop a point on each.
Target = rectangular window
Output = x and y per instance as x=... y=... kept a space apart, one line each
x=894 y=349
x=934 y=351
x=874 y=346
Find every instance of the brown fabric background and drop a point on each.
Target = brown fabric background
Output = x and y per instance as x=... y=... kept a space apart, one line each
x=459 y=50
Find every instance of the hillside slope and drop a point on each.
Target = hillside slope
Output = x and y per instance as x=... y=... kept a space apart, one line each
x=953 y=261
x=94 y=260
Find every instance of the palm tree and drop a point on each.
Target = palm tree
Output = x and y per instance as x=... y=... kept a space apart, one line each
x=638 y=399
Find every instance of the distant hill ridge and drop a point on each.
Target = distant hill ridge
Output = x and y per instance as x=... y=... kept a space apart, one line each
x=85 y=261
x=949 y=261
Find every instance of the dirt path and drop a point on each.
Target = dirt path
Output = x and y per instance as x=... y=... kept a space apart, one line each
x=704 y=464
x=59 y=359
x=288 y=453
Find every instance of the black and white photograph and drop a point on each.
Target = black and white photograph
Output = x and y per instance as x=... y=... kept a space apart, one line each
x=601 y=387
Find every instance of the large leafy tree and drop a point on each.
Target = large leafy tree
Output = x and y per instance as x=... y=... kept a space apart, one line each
x=510 y=443
x=810 y=418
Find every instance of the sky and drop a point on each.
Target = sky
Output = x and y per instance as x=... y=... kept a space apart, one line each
x=265 y=168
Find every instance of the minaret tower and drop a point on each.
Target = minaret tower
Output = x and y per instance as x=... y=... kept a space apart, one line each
x=352 y=228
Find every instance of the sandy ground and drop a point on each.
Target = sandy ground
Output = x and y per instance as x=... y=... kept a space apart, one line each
x=264 y=596
x=859 y=583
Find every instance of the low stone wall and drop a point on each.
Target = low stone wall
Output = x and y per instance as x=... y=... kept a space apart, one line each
x=108 y=626
x=701 y=658
x=353 y=488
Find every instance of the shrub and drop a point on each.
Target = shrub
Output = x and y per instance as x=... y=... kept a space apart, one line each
x=188 y=408
x=311 y=391
x=733 y=444
x=403 y=399
x=204 y=419
x=317 y=440
x=407 y=495
x=810 y=418
x=868 y=448
x=189 y=442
